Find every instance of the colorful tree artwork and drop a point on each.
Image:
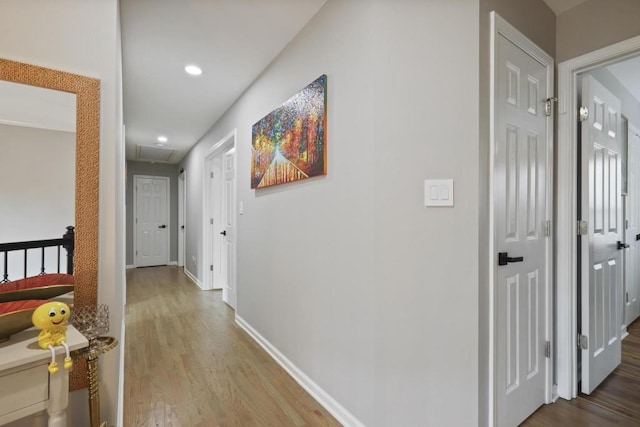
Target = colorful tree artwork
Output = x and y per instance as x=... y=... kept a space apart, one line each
x=289 y=144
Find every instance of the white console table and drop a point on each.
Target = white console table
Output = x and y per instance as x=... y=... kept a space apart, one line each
x=26 y=387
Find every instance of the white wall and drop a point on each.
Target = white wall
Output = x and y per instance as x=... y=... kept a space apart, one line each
x=81 y=36
x=348 y=275
x=426 y=259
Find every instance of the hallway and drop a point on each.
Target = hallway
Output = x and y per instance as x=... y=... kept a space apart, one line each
x=188 y=364
x=616 y=402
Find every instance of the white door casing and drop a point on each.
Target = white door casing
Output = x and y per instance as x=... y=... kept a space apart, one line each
x=151 y=220
x=601 y=207
x=228 y=217
x=521 y=192
x=632 y=209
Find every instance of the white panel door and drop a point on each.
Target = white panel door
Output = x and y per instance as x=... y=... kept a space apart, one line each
x=181 y=218
x=601 y=207
x=229 y=233
x=216 y=224
x=632 y=209
x=152 y=222
x=520 y=209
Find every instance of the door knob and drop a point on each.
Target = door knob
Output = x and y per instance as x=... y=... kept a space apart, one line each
x=504 y=258
x=182 y=227
x=162 y=226
x=224 y=233
x=622 y=245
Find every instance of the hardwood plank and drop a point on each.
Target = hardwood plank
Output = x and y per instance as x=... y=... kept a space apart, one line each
x=616 y=402
x=188 y=364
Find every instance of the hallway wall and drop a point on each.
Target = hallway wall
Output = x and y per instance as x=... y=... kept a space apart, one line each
x=349 y=276
x=596 y=24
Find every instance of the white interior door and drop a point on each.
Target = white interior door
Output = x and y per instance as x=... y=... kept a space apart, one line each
x=229 y=232
x=152 y=221
x=181 y=218
x=601 y=207
x=521 y=180
x=215 y=226
x=632 y=210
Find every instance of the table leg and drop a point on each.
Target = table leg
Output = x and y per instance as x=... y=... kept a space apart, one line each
x=58 y=395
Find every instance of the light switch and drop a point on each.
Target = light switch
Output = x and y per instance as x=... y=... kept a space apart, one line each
x=434 y=192
x=438 y=192
x=444 y=192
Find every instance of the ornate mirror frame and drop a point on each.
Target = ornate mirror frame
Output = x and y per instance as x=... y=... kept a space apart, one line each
x=87 y=91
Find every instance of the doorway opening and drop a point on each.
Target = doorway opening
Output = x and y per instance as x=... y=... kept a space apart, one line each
x=578 y=229
x=219 y=215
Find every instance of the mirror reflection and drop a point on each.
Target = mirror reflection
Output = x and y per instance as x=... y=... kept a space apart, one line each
x=37 y=176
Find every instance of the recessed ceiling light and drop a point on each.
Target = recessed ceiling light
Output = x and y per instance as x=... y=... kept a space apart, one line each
x=194 y=70
x=162 y=138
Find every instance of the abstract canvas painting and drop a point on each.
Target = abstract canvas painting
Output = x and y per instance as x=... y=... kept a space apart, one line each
x=290 y=143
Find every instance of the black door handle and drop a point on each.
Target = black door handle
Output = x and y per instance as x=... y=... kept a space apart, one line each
x=622 y=245
x=504 y=258
x=224 y=233
x=162 y=226
x=182 y=227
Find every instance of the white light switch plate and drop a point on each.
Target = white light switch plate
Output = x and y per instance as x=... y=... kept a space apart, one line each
x=438 y=192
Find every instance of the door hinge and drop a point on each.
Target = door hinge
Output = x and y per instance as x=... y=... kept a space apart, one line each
x=547 y=228
x=583 y=114
x=211 y=267
x=548 y=105
x=136 y=253
x=583 y=342
x=583 y=228
x=626 y=295
x=547 y=350
x=211 y=221
x=211 y=174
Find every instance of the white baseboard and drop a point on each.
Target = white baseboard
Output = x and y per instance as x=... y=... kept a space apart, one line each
x=173 y=263
x=343 y=416
x=194 y=279
x=129 y=267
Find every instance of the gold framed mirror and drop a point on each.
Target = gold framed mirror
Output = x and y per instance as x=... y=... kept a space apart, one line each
x=87 y=158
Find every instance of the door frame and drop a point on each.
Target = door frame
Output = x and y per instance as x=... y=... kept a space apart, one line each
x=182 y=217
x=567 y=209
x=135 y=215
x=225 y=144
x=499 y=26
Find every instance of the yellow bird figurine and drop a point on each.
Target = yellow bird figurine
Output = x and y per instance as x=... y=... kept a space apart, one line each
x=52 y=318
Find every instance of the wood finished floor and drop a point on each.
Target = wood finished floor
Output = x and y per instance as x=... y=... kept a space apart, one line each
x=616 y=402
x=187 y=363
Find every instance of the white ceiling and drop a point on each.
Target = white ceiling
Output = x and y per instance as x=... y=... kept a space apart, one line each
x=627 y=73
x=231 y=40
x=559 y=6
